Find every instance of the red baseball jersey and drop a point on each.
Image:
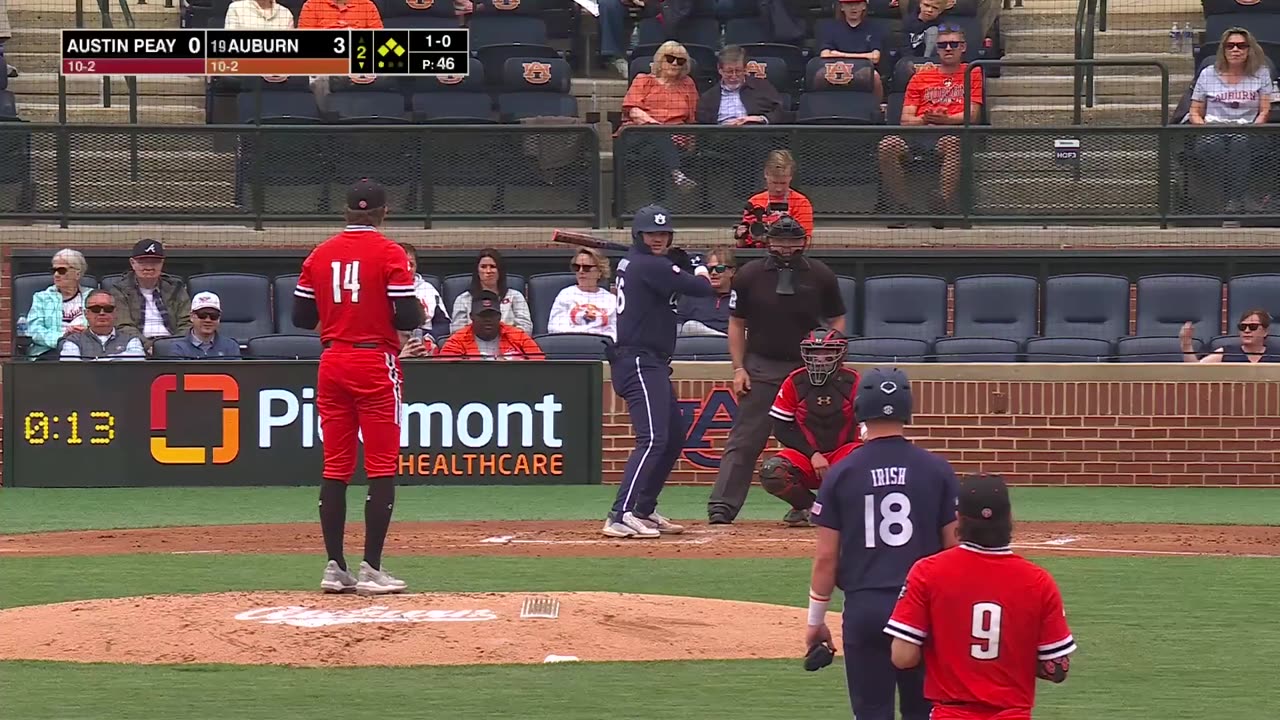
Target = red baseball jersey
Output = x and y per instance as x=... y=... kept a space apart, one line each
x=354 y=276
x=986 y=618
x=823 y=413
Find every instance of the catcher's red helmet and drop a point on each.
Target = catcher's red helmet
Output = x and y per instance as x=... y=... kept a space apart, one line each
x=823 y=351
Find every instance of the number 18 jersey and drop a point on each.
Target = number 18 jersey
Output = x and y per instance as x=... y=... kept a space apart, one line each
x=354 y=277
x=985 y=617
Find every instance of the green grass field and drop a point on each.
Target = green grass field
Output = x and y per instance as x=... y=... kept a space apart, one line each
x=1160 y=638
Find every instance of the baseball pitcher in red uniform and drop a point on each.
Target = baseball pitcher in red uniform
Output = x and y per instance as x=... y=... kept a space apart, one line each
x=356 y=286
x=989 y=622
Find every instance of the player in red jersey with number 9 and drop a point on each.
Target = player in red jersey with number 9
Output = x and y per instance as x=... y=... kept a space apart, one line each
x=986 y=621
x=356 y=286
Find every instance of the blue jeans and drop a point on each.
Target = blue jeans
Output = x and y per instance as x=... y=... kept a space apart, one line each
x=613 y=29
x=1226 y=156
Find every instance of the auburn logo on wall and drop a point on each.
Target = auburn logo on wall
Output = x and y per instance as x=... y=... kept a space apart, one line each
x=362 y=79
x=838 y=73
x=450 y=79
x=758 y=69
x=420 y=4
x=537 y=73
x=275 y=78
x=507 y=5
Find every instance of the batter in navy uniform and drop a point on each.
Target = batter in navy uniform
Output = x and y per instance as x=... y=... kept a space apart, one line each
x=650 y=279
x=882 y=508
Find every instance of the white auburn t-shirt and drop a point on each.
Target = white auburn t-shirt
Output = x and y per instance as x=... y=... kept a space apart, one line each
x=577 y=311
x=1237 y=103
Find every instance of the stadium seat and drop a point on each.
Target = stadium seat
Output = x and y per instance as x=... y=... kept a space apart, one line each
x=498 y=37
x=288 y=98
x=393 y=12
x=835 y=93
x=702 y=61
x=109 y=282
x=1068 y=349
x=975 y=349
x=905 y=306
x=746 y=31
x=543 y=289
x=455 y=285
x=165 y=348
x=996 y=306
x=777 y=73
x=1233 y=341
x=1086 y=306
x=366 y=99
x=433 y=281
x=573 y=346
x=282 y=305
x=452 y=98
x=420 y=21
x=1151 y=349
x=1165 y=302
x=1252 y=292
x=887 y=350
x=756 y=38
x=535 y=87
x=849 y=293
x=25 y=287
x=285 y=347
x=246 y=302
x=704 y=348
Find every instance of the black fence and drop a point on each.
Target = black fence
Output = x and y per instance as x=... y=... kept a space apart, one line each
x=1173 y=175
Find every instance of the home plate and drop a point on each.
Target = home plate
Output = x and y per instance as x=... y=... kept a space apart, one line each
x=513 y=540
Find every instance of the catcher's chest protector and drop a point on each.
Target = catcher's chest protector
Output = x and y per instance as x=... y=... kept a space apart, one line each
x=827 y=410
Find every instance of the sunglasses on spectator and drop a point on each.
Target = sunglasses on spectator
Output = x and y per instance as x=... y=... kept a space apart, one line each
x=1249 y=326
x=208 y=314
x=1237 y=46
x=61 y=270
x=675 y=60
x=719 y=268
x=949 y=44
x=101 y=308
x=583 y=268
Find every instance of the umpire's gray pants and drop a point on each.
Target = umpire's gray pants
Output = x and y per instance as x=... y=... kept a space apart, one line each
x=751 y=430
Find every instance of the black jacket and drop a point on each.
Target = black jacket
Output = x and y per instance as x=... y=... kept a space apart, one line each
x=758 y=96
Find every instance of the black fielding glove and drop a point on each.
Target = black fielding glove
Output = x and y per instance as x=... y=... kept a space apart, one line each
x=819 y=656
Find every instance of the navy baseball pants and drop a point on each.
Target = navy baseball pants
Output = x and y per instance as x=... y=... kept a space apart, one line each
x=643 y=380
x=871 y=675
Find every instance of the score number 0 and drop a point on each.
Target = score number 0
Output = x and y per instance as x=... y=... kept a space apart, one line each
x=36 y=428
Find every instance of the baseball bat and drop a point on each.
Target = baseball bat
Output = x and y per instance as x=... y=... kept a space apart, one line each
x=585 y=240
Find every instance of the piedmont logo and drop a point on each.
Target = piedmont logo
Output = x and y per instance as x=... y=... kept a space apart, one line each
x=304 y=616
x=195 y=455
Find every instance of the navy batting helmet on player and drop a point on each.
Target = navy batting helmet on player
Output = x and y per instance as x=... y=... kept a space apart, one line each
x=883 y=394
x=651 y=218
x=823 y=351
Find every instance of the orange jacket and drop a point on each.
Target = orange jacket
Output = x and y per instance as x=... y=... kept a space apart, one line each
x=798 y=207
x=513 y=344
x=328 y=15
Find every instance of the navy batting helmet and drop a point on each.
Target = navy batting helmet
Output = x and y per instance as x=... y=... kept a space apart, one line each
x=883 y=394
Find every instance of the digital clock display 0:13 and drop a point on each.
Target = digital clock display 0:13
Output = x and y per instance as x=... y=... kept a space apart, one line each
x=40 y=428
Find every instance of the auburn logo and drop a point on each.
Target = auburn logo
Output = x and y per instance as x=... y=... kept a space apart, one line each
x=507 y=5
x=275 y=78
x=537 y=73
x=362 y=79
x=450 y=79
x=1247 y=2
x=420 y=4
x=838 y=73
x=758 y=69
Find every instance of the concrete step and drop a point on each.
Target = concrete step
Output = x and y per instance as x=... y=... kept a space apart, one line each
x=1091 y=142
x=1053 y=113
x=117 y=114
x=1040 y=162
x=45 y=15
x=172 y=165
x=29 y=84
x=1176 y=64
x=1061 y=195
x=34 y=40
x=33 y=62
x=1054 y=40
x=1062 y=16
x=108 y=192
x=47 y=203
x=1119 y=88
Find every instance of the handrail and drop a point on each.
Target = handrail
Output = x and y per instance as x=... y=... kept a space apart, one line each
x=1085 y=40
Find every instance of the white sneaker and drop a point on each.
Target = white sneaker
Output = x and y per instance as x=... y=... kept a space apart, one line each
x=337 y=580
x=642 y=530
x=661 y=524
x=614 y=528
x=377 y=582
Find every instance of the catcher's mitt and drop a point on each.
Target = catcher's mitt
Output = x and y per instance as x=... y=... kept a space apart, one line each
x=818 y=657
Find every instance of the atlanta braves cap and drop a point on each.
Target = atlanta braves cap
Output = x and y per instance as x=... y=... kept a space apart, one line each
x=984 y=497
x=148 y=248
x=366 y=195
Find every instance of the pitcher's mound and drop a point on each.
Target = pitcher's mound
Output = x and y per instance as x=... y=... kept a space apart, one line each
x=312 y=629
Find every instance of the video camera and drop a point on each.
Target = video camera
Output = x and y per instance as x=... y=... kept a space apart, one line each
x=755 y=223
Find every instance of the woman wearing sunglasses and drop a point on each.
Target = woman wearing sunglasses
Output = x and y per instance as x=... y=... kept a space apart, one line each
x=664 y=96
x=1235 y=90
x=1253 y=327
x=585 y=306
x=59 y=309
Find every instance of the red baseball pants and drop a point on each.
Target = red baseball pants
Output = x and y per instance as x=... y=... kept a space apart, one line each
x=358 y=390
x=808 y=477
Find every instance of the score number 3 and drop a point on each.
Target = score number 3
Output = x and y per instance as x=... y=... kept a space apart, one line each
x=346 y=277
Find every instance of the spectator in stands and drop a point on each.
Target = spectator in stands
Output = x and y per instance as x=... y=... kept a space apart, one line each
x=437 y=317
x=102 y=340
x=738 y=99
x=336 y=15
x=491 y=274
x=849 y=38
x=417 y=344
x=935 y=96
x=665 y=96
x=154 y=304
x=204 y=342
x=487 y=337
x=1235 y=90
x=613 y=22
x=58 y=310
x=777 y=198
x=1253 y=327
x=258 y=15
x=921 y=31
x=5 y=33
x=585 y=306
x=710 y=316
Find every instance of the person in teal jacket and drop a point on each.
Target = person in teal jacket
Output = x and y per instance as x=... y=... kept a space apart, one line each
x=58 y=309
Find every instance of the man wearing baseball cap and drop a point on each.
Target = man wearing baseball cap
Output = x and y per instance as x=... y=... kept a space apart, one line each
x=986 y=622
x=204 y=342
x=149 y=301
x=487 y=337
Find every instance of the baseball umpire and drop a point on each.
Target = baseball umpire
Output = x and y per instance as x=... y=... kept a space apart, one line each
x=356 y=286
x=813 y=419
x=650 y=279
x=882 y=508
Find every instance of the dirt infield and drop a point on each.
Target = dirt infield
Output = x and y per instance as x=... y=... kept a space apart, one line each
x=582 y=539
x=316 y=630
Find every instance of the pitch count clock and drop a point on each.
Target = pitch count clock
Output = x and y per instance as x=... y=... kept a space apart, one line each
x=98 y=427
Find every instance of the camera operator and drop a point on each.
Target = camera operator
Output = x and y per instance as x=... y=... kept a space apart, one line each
x=764 y=208
x=776 y=300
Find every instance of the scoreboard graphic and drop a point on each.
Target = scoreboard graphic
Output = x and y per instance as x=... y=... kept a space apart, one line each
x=437 y=51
